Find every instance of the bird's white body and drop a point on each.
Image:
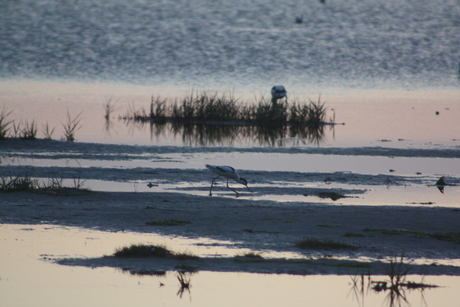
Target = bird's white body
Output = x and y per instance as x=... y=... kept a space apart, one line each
x=278 y=91
x=227 y=172
x=224 y=171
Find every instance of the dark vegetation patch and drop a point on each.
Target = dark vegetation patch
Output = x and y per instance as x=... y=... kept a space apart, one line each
x=421 y=203
x=18 y=184
x=443 y=236
x=26 y=183
x=146 y=272
x=397 y=273
x=186 y=268
x=170 y=222
x=329 y=226
x=332 y=195
x=214 y=108
x=396 y=282
x=250 y=230
x=249 y=257
x=353 y=235
x=141 y=250
x=325 y=244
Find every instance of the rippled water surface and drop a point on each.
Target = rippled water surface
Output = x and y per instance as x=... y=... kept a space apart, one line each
x=234 y=43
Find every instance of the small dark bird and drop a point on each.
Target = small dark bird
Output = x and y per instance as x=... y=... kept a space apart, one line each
x=441 y=181
x=150 y=185
x=440 y=184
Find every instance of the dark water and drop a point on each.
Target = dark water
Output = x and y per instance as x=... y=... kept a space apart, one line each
x=240 y=43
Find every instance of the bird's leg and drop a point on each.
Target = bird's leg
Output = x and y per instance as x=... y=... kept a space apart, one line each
x=232 y=189
x=212 y=184
x=249 y=189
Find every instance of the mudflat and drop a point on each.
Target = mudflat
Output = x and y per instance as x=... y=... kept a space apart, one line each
x=428 y=234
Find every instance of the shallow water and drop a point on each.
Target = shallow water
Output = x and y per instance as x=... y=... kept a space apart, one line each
x=388 y=118
x=386 y=180
x=27 y=253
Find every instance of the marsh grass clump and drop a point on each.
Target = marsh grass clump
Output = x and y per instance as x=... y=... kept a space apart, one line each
x=317 y=113
x=396 y=284
x=271 y=113
x=317 y=244
x=158 y=110
x=25 y=131
x=5 y=124
x=29 y=132
x=160 y=251
x=185 y=268
x=207 y=119
x=18 y=184
x=16 y=130
x=109 y=108
x=140 y=250
x=22 y=183
x=71 y=127
x=250 y=255
x=184 y=282
x=54 y=183
x=215 y=108
x=47 y=131
x=135 y=114
x=311 y=114
x=185 y=256
x=205 y=107
x=397 y=271
x=78 y=183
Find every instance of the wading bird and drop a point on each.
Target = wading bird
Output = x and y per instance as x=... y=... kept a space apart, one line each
x=278 y=92
x=229 y=173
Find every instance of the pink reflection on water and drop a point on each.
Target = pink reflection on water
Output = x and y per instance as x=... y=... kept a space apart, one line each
x=388 y=118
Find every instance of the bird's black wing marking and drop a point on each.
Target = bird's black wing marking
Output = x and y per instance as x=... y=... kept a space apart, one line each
x=223 y=170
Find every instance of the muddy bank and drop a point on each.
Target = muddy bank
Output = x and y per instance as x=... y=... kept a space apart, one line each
x=378 y=232
x=258 y=221
x=318 y=266
x=63 y=150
